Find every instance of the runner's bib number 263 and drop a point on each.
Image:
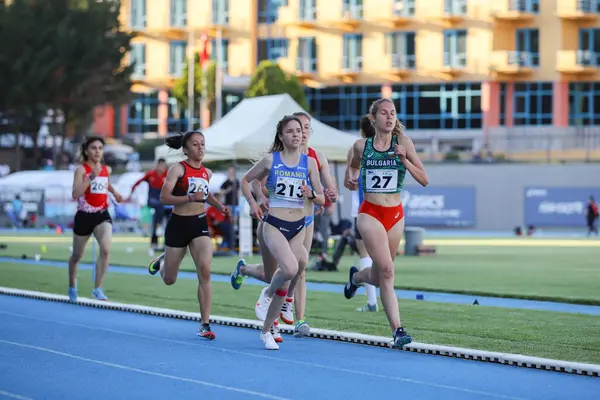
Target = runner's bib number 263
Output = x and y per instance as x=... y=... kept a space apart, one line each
x=196 y=185
x=381 y=180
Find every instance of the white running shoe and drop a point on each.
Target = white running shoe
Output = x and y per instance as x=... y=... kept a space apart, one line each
x=276 y=333
x=262 y=305
x=269 y=341
x=287 y=311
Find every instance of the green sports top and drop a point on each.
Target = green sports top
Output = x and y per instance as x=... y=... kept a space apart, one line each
x=381 y=172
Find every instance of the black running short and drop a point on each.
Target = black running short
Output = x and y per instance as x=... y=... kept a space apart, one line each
x=84 y=223
x=182 y=229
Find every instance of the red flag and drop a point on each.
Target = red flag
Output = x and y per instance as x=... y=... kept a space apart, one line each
x=204 y=53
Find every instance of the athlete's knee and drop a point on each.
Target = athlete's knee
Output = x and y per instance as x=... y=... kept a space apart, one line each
x=204 y=273
x=289 y=271
x=169 y=280
x=386 y=272
x=104 y=250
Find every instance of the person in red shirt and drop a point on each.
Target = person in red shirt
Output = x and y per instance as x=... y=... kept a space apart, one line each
x=186 y=188
x=91 y=186
x=155 y=179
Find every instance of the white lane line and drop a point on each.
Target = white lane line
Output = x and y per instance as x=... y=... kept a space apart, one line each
x=277 y=359
x=142 y=371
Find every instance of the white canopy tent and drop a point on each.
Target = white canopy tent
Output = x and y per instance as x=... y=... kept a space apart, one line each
x=247 y=132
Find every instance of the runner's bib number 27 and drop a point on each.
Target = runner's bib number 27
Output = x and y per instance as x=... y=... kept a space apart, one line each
x=381 y=180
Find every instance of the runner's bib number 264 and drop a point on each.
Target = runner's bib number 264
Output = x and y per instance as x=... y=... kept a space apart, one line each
x=381 y=180
x=99 y=185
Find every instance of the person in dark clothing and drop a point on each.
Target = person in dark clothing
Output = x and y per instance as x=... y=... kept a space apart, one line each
x=230 y=189
x=592 y=216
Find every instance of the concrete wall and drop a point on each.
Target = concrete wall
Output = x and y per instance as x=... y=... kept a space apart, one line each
x=500 y=188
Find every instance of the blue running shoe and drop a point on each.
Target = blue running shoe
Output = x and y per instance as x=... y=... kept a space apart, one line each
x=401 y=338
x=73 y=295
x=351 y=288
x=236 y=276
x=99 y=294
x=205 y=332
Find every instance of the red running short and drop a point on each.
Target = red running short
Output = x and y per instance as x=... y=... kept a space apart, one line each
x=388 y=216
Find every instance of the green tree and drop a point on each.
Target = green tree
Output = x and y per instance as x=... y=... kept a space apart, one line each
x=270 y=79
x=66 y=55
x=180 y=87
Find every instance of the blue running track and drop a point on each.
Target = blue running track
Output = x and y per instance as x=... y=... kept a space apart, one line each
x=51 y=350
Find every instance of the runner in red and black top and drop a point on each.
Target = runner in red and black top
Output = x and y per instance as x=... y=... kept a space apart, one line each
x=155 y=179
x=91 y=186
x=186 y=188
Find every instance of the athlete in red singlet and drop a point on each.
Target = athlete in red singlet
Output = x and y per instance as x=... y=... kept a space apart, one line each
x=91 y=186
x=155 y=179
x=186 y=188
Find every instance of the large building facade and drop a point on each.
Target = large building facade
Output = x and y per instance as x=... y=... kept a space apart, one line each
x=449 y=65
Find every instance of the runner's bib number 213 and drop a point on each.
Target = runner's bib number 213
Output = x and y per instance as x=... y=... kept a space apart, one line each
x=381 y=180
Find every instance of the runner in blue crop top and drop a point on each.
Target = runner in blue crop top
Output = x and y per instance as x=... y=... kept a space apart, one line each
x=288 y=171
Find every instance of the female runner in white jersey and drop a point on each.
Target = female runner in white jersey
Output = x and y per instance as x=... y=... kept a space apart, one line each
x=381 y=164
x=288 y=172
x=186 y=188
x=265 y=270
x=91 y=185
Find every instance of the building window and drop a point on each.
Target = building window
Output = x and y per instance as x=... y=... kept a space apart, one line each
x=272 y=49
x=268 y=10
x=177 y=58
x=589 y=47
x=404 y=8
x=455 y=7
x=178 y=13
x=352 y=9
x=143 y=113
x=352 y=53
x=527 y=6
x=532 y=103
x=138 y=14
x=455 y=49
x=307 y=55
x=138 y=60
x=425 y=107
x=528 y=48
x=307 y=10
x=224 y=52
x=220 y=12
x=584 y=103
x=401 y=47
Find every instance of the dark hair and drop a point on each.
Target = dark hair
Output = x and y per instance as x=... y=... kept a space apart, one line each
x=398 y=128
x=161 y=160
x=86 y=143
x=180 y=140
x=277 y=143
x=301 y=114
x=367 y=130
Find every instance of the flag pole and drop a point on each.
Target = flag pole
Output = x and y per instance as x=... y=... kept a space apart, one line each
x=191 y=80
x=219 y=76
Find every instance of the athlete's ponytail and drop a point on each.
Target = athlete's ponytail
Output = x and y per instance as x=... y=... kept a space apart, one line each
x=180 y=140
x=367 y=130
